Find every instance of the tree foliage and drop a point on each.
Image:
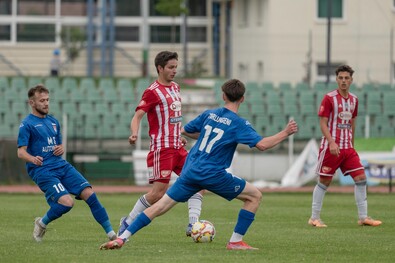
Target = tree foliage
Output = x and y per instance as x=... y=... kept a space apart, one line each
x=171 y=7
x=73 y=39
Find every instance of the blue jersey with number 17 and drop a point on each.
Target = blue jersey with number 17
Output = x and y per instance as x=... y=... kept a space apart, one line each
x=220 y=132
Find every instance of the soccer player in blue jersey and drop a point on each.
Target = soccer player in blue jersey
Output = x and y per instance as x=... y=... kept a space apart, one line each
x=40 y=145
x=218 y=132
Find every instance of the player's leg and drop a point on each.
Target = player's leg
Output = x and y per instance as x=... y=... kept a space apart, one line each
x=80 y=187
x=230 y=187
x=159 y=208
x=151 y=197
x=179 y=192
x=195 y=202
x=318 y=199
x=326 y=167
x=142 y=220
x=360 y=195
x=251 y=197
x=145 y=201
x=139 y=207
x=98 y=211
x=194 y=210
x=160 y=165
x=58 y=199
x=352 y=166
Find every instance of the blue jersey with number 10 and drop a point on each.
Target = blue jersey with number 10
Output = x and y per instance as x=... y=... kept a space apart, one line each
x=220 y=132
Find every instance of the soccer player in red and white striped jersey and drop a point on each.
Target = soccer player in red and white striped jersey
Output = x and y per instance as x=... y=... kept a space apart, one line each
x=161 y=101
x=163 y=107
x=338 y=112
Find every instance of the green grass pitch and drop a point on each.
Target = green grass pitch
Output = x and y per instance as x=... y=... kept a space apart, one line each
x=280 y=231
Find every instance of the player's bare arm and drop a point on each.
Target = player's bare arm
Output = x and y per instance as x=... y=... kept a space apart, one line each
x=24 y=155
x=271 y=141
x=190 y=135
x=135 y=125
x=184 y=141
x=333 y=147
x=58 y=150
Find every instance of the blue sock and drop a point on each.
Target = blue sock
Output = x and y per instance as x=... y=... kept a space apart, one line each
x=55 y=211
x=141 y=221
x=99 y=212
x=244 y=221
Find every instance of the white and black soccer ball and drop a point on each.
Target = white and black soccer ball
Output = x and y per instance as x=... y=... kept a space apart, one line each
x=203 y=231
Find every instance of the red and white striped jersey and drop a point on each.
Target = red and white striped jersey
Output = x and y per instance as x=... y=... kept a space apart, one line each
x=340 y=111
x=163 y=107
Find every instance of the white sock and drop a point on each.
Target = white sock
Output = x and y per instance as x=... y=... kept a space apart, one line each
x=318 y=198
x=195 y=207
x=42 y=224
x=361 y=199
x=125 y=235
x=111 y=234
x=139 y=207
x=236 y=237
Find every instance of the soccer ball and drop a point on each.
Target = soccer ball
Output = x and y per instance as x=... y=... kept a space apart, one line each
x=203 y=231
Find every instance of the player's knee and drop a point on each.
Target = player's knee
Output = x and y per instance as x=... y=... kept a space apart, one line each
x=257 y=196
x=66 y=200
x=86 y=193
x=325 y=180
x=359 y=177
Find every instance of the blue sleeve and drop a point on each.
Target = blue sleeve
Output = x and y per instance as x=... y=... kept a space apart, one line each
x=23 y=135
x=196 y=124
x=247 y=135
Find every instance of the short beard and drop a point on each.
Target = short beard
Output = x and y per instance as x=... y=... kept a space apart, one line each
x=41 y=112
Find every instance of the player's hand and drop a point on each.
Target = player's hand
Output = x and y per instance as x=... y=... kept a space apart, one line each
x=58 y=150
x=334 y=148
x=38 y=160
x=292 y=127
x=184 y=141
x=132 y=139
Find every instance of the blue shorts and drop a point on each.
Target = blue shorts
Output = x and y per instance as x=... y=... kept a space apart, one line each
x=60 y=181
x=225 y=185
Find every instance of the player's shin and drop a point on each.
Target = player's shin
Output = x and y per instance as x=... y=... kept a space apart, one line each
x=99 y=213
x=141 y=221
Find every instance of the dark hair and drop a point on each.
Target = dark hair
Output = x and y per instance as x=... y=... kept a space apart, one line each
x=343 y=68
x=234 y=89
x=38 y=88
x=163 y=57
